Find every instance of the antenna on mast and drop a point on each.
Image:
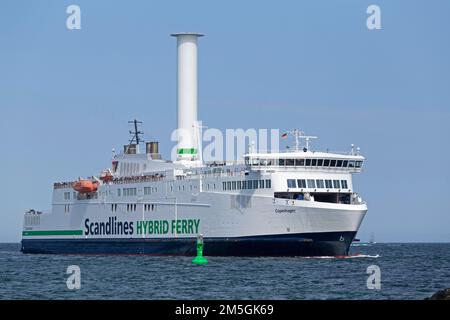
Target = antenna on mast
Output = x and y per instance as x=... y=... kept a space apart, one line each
x=297 y=134
x=135 y=133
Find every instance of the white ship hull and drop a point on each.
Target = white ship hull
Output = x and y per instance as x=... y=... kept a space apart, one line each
x=267 y=226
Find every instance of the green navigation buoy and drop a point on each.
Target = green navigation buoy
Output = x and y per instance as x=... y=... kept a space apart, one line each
x=200 y=260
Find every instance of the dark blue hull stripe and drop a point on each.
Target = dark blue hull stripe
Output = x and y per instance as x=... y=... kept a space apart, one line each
x=304 y=244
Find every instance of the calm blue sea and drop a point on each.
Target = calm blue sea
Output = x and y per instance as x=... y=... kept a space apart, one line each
x=408 y=271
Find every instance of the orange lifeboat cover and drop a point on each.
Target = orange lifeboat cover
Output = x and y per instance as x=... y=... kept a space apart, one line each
x=85 y=186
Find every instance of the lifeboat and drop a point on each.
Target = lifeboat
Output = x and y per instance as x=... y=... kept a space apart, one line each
x=85 y=186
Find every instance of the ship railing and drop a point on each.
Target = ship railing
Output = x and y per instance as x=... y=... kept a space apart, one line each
x=63 y=185
x=138 y=179
x=268 y=152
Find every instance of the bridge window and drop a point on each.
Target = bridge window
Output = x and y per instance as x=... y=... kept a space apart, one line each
x=291 y=183
x=358 y=164
x=326 y=162
x=300 y=162
x=261 y=184
x=301 y=183
x=328 y=184
x=290 y=162
x=281 y=162
x=351 y=164
x=344 y=184
x=345 y=163
x=339 y=163
x=320 y=184
x=319 y=162
x=311 y=183
x=333 y=163
x=314 y=162
x=308 y=162
x=336 y=184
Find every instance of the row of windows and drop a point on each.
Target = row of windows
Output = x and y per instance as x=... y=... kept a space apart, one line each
x=332 y=163
x=131 y=207
x=149 y=207
x=127 y=192
x=150 y=190
x=247 y=184
x=317 y=183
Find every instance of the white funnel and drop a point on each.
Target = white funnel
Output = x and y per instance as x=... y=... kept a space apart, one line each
x=187 y=149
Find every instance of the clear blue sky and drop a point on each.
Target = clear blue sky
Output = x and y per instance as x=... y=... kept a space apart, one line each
x=66 y=96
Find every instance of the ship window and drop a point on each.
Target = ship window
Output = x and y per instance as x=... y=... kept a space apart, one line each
x=301 y=183
x=351 y=164
x=300 y=162
x=326 y=162
x=319 y=162
x=261 y=184
x=229 y=185
x=268 y=183
x=358 y=164
x=291 y=183
x=233 y=185
x=345 y=163
x=320 y=184
x=333 y=163
x=339 y=163
x=290 y=162
x=328 y=184
x=281 y=162
x=224 y=185
x=311 y=183
x=314 y=162
x=308 y=162
x=344 y=184
x=246 y=160
x=255 y=184
x=239 y=185
x=118 y=192
x=336 y=184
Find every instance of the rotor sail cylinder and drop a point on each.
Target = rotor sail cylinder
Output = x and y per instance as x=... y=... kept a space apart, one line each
x=187 y=96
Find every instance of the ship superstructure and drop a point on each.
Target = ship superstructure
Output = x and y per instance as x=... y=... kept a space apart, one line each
x=295 y=203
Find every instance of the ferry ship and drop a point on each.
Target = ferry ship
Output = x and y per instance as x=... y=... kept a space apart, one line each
x=299 y=202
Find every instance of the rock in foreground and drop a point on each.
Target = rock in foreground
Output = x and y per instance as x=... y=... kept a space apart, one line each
x=440 y=295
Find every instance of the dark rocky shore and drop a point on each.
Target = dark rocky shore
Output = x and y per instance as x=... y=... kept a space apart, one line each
x=440 y=295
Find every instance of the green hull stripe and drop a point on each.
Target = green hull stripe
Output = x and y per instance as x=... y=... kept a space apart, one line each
x=53 y=233
x=187 y=151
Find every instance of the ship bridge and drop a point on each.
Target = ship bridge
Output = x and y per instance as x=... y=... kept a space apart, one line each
x=305 y=160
